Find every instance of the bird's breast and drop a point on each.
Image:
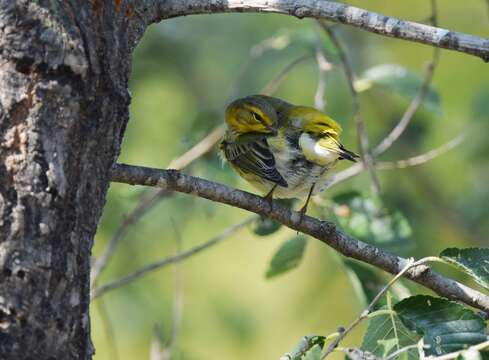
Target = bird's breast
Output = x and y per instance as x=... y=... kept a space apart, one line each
x=314 y=152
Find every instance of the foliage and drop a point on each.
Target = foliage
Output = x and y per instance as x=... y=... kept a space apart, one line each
x=287 y=257
x=364 y=219
x=184 y=72
x=474 y=262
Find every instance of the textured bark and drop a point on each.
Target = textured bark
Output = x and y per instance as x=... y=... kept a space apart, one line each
x=63 y=108
x=325 y=231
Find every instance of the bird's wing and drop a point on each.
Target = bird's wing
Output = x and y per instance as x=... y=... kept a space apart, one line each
x=254 y=157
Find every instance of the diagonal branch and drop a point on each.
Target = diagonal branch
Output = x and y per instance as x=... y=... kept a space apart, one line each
x=337 y=12
x=362 y=134
x=126 y=279
x=417 y=101
x=324 y=231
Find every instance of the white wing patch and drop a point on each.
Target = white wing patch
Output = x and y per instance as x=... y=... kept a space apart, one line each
x=314 y=152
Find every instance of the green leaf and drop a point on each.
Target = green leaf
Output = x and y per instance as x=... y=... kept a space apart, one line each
x=395 y=78
x=445 y=326
x=473 y=261
x=473 y=355
x=287 y=257
x=364 y=219
x=306 y=347
x=365 y=280
x=265 y=226
x=313 y=354
x=387 y=334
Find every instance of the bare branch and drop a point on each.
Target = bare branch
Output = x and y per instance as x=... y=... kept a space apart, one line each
x=400 y=164
x=325 y=231
x=323 y=67
x=170 y=260
x=423 y=158
x=141 y=209
x=108 y=329
x=362 y=134
x=273 y=84
x=410 y=264
x=337 y=12
x=417 y=101
x=401 y=351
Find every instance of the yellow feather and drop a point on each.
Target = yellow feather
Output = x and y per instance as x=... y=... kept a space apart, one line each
x=314 y=121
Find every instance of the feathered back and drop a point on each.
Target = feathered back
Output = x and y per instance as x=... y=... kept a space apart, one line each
x=313 y=121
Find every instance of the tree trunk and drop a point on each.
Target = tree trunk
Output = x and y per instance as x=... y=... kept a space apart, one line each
x=64 y=68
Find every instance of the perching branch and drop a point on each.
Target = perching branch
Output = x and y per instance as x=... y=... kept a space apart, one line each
x=343 y=175
x=324 y=231
x=337 y=12
x=152 y=198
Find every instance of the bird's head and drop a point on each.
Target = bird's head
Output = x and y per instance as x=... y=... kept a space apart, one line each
x=252 y=115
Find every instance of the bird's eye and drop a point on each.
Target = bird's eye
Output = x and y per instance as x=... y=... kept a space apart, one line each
x=258 y=117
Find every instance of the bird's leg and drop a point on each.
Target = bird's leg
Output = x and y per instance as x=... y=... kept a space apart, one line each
x=303 y=210
x=269 y=197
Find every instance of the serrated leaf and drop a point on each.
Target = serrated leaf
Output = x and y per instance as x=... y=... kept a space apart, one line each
x=361 y=217
x=305 y=346
x=445 y=326
x=400 y=80
x=387 y=334
x=365 y=280
x=473 y=261
x=265 y=226
x=368 y=281
x=287 y=257
x=313 y=354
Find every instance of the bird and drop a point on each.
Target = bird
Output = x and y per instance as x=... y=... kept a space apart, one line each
x=283 y=150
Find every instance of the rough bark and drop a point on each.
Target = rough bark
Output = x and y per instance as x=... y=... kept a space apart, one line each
x=325 y=231
x=63 y=108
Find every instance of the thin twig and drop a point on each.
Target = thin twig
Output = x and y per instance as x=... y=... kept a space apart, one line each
x=324 y=231
x=323 y=67
x=277 y=42
x=400 y=164
x=417 y=101
x=362 y=134
x=108 y=329
x=177 y=301
x=400 y=351
x=126 y=279
x=409 y=265
x=423 y=158
x=272 y=85
x=198 y=150
x=336 y=12
x=456 y=354
x=141 y=209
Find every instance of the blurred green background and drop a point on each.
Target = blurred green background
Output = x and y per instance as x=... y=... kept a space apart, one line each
x=184 y=72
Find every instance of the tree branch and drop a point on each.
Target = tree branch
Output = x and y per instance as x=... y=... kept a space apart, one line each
x=126 y=279
x=337 y=12
x=324 y=231
x=362 y=135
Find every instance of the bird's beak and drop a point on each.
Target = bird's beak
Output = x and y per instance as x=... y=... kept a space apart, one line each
x=271 y=130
